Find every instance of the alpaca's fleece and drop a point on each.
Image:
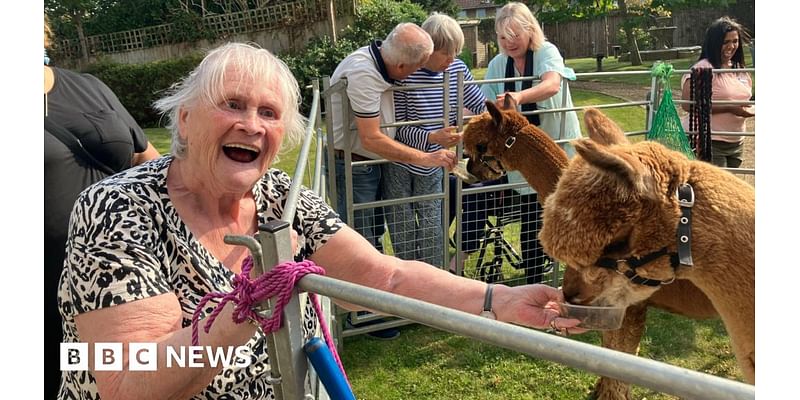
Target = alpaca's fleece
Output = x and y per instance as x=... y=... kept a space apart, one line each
x=619 y=201
x=502 y=140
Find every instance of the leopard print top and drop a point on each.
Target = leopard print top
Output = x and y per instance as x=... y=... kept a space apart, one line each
x=127 y=242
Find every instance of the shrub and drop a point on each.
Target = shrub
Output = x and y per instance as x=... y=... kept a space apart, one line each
x=643 y=39
x=466 y=57
x=138 y=85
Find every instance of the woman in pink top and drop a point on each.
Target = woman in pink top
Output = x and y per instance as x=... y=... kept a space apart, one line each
x=722 y=50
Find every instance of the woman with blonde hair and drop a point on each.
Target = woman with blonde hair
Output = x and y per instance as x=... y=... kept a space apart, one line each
x=525 y=52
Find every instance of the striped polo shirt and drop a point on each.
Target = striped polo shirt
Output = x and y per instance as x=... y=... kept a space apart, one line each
x=427 y=103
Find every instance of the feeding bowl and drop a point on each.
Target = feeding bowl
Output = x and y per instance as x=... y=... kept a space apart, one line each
x=594 y=317
x=461 y=172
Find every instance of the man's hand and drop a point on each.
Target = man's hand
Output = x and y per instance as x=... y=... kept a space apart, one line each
x=439 y=158
x=445 y=137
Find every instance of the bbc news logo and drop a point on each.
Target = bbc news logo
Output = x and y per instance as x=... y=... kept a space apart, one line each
x=144 y=356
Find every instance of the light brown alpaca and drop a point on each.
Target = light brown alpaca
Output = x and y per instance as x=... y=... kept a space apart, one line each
x=539 y=160
x=635 y=212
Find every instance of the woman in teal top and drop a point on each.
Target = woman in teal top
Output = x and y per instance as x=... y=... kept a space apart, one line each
x=520 y=39
x=525 y=52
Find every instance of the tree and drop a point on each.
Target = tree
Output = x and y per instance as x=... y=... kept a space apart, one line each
x=119 y=15
x=448 y=7
x=628 y=25
x=487 y=35
x=73 y=12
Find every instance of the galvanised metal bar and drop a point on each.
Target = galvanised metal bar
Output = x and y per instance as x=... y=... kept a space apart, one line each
x=317 y=186
x=302 y=159
x=285 y=346
x=640 y=371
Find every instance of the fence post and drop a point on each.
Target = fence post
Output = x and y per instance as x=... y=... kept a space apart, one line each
x=287 y=361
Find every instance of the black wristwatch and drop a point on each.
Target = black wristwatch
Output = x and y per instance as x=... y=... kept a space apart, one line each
x=487 y=303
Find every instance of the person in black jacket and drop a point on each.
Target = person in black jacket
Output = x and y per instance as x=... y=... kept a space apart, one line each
x=88 y=135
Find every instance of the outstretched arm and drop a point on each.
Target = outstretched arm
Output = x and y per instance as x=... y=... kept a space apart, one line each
x=530 y=305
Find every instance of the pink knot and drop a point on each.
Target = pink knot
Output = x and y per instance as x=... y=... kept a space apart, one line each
x=248 y=293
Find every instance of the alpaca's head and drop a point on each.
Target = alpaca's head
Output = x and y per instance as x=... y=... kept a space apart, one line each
x=488 y=136
x=615 y=200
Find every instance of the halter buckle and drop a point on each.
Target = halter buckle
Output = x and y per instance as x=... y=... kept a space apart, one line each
x=685 y=203
x=510 y=141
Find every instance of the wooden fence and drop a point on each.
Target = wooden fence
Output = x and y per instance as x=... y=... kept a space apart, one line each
x=587 y=38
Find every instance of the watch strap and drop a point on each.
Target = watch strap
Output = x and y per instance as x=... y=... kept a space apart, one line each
x=487 y=300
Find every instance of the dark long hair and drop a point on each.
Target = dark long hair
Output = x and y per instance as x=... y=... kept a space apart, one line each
x=715 y=35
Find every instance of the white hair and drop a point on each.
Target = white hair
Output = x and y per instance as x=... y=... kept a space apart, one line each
x=206 y=84
x=445 y=32
x=407 y=43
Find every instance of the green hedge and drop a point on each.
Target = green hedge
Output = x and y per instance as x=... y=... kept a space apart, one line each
x=139 y=85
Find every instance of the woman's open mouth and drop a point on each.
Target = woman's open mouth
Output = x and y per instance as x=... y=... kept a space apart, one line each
x=241 y=152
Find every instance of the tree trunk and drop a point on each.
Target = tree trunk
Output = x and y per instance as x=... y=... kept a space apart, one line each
x=636 y=57
x=78 y=21
x=332 y=12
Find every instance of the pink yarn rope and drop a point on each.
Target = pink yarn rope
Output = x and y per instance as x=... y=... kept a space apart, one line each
x=247 y=293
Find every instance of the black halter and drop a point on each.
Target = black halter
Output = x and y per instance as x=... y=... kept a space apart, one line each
x=683 y=256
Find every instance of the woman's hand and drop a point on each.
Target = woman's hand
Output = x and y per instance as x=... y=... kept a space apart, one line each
x=746 y=111
x=515 y=97
x=445 y=137
x=533 y=305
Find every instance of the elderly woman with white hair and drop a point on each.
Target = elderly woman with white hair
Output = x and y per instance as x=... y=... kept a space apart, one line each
x=147 y=244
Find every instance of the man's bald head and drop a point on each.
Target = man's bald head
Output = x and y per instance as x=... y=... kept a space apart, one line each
x=406 y=48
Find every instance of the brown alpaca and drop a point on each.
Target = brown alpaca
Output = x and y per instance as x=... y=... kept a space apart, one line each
x=483 y=133
x=634 y=212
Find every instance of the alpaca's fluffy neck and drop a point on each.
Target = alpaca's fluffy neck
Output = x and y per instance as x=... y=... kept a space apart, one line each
x=724 y=254
x=538 y=159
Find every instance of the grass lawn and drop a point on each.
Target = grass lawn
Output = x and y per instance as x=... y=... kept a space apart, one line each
x=428 y=364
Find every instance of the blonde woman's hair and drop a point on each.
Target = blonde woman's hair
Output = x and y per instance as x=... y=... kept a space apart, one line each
x=445 y=32
x=520 y=15
x=205 y=85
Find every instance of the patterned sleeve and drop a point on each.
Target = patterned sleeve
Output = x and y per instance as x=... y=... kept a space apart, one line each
x=314 y=221
x=474 y=99
x=413 y=136
x=109 y=260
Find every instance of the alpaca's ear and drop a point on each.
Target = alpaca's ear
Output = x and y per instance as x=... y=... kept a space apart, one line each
x=497 y=115
x=615 y=164
x=602 y=129
x=509 y=103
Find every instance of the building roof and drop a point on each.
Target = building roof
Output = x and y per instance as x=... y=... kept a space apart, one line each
x=473 y=4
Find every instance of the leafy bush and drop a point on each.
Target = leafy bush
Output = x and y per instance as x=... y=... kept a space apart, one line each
x=466 y=57
x=138 y=85
x=374 y=20
x=643 y=39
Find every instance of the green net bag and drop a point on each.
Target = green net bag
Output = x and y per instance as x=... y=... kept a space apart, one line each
x=666 y=128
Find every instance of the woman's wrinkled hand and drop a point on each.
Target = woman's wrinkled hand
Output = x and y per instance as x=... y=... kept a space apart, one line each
x=536 y=306
x=445 y=137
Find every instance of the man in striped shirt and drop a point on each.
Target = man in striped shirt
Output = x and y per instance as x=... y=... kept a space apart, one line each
x=415 y=228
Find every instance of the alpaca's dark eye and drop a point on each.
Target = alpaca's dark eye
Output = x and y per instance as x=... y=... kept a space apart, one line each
x=481 y=148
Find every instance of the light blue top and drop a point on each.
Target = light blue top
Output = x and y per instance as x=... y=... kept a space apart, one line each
x=546 y=59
